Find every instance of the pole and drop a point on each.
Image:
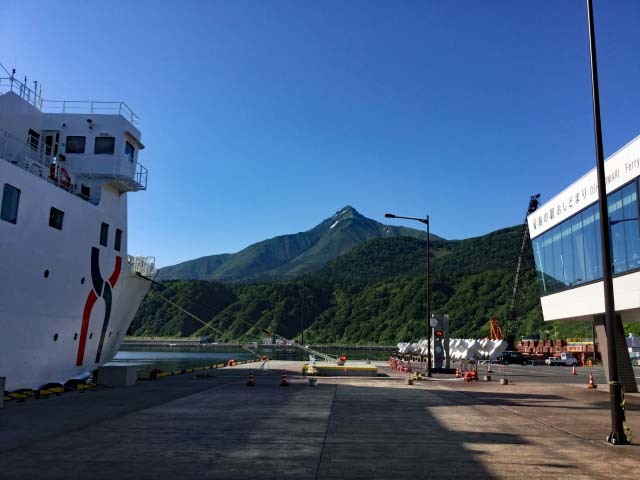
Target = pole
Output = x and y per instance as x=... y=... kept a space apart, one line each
x=428 y=303
x=617 y=435
x=302 y=316
x=593 y=339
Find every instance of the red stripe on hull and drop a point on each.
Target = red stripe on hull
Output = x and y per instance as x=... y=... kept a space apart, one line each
x=88 y=306
x=116 y=272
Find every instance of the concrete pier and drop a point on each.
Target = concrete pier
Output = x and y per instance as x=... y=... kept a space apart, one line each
x=213 y=426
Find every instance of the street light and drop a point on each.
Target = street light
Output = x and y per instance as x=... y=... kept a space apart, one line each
x=426 y=222
x=617 y=435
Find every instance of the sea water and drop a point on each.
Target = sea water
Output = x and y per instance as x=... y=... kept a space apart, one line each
x=169 y=359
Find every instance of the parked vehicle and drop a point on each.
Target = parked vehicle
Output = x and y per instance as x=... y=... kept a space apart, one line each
x=509 y=356
x=564 y=359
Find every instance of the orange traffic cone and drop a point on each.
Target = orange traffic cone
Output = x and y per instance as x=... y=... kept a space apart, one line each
x=283 y=381
x=592 y=384
x=458 y=373
x=574 y=371
x=251 y=382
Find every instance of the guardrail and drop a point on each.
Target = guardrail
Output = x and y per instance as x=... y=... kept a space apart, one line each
x=90 y=106
x=23 y=155
x=11 y=84
x=141 y=175
x=145 y=266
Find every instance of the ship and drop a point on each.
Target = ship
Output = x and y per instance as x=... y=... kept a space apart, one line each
x=68 y=288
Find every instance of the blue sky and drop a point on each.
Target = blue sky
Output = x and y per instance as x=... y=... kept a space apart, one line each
x=263 y=118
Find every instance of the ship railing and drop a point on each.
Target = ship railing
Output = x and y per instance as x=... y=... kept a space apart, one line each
x=24 y=155
x=117 y=169
x=90 y=106
x=144 y=266
x=34 y=97
x=12 y=84
x=141 y=176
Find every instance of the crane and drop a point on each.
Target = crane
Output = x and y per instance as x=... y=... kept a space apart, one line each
x=511 y=324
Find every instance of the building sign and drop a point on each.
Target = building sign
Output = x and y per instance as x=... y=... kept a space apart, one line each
x=621 y=167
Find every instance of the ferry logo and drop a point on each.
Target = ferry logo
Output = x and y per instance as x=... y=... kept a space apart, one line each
x=101 y=289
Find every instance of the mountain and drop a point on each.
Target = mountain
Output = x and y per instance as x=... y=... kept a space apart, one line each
x=375 y=293
x=289 y=256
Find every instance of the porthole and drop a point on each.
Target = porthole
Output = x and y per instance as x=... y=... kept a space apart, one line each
x=75 y=336
x=82 y=281
x=46 y=274
x=90 y=336
x=55 y=337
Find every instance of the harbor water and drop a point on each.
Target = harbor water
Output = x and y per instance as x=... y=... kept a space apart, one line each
x=183 y=357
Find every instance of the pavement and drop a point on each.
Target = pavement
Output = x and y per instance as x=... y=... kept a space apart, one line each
x=215 y=427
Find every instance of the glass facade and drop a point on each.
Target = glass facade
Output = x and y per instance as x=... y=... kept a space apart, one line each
x=569 y=254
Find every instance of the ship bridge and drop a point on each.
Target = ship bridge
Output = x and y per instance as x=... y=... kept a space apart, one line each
x=78 y=145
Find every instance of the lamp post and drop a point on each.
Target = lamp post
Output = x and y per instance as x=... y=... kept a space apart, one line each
x=617 y=435
x=302 y=315
x=426 y=222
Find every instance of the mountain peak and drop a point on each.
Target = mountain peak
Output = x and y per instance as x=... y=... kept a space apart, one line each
x=289 y=255
x=347 y=212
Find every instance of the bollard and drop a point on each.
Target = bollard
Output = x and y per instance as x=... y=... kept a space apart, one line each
x=409 y=381
x=487 y=378
x=504 y=381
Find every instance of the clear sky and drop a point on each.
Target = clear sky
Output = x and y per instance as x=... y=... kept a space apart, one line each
x=264 y=117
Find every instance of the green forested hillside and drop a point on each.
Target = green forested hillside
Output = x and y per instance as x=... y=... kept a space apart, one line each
x=376 y=293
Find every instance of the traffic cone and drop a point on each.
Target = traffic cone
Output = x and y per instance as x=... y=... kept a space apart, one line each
x=458 y=373
x=592 y=384
x=574 y=371
x=251 y=382
x=489 y=368
x=283 y=381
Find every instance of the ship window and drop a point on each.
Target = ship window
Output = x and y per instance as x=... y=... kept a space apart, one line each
x=104 y=145
x=104 y=234
x=34 y=139
x=55 y=218
x=48 y=144
x=129 y=150
x=10 y=201
x=75 y=144
x=118 y=239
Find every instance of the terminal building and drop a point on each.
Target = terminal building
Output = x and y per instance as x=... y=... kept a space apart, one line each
x=565 y=236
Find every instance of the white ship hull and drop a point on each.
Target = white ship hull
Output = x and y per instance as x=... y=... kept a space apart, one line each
x=68 y=289
x=52 y=309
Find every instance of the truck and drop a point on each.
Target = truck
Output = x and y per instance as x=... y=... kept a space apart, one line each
x=564 y=359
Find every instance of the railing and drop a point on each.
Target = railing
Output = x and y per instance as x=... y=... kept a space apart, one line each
x=23 y=155
x=141 y=176
x=89 y=106
x=145 y=266
x=11 y=84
